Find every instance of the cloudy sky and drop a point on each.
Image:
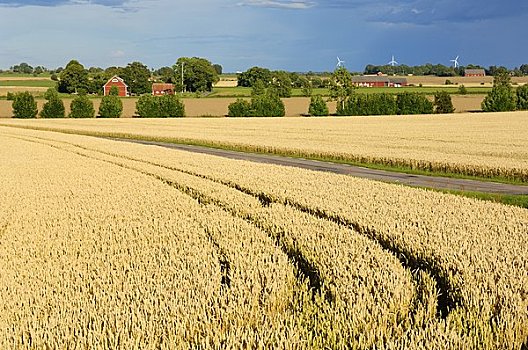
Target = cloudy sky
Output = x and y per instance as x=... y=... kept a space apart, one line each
x=298 y=35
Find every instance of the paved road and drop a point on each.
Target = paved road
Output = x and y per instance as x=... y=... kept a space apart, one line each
x=435 y=182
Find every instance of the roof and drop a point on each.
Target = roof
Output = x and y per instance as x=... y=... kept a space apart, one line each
x=116 y=79
x=475 y=71
x=162 y=86
x=378 y=79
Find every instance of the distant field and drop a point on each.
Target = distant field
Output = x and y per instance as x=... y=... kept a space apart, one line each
x=5 y=75
x=217 y=107
x=488 y=145
x=28 y=83
x=452 y=89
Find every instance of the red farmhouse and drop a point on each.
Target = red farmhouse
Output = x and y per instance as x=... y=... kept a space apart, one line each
x=162 y=89
x=117 y=82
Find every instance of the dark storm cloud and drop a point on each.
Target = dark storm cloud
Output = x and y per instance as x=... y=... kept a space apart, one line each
x=430 y=11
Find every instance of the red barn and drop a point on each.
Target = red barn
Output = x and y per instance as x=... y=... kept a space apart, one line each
x=378 y=81
x=117 y=82
x=475 y=73
x=162 y=89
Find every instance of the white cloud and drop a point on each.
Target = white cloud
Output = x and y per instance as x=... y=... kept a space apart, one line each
x=293 y=5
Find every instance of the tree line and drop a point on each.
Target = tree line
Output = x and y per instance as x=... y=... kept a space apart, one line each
x=147 y=106
x=441 y=70
x=199 y=75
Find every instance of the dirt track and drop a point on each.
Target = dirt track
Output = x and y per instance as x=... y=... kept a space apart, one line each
x=435 y=182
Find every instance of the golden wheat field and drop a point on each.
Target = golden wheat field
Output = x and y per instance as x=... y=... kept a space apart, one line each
x=484 y=145
x=114 y=245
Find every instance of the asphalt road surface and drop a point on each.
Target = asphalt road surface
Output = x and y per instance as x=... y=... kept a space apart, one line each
x=442 y=183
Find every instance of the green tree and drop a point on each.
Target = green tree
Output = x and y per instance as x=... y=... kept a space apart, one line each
x=218 y=68
x=54 y=107
x=522 y=97
x=96 y=84
x=170 y=106
x=341 y=87
x=240 y=108
x=462 y=90
x=254 y=74
x=369 y=104
x=22 y=68
x=413 y=103
x=306 y=87
x=258 y=88
x=137 y=76
x=318 y=107
x=81 y=107
x=24 y=105
x=282 y=83
x=199 y=74
x=73 y=78
x=111 y=106
x=149 y=106
x=166 y=74
x=268 y=104
x=502 y=96
x=443 y=103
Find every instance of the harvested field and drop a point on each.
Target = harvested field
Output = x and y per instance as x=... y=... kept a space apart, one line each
x=466 y=81
x=489 y=145
x=217 y=107
x=139 y=246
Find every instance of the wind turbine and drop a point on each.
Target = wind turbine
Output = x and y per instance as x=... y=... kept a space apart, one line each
x=455 y=62
x=393 y=61
x=339 y=62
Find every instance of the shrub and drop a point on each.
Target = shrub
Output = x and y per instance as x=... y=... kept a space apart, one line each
x=149 y=106
x=170 y=106
x=462 y=90
x=443 y=103
x=10 y=96
x=258 y=88
x=24 y=105
x=502 y=97
x=522 y=97
x=267 y=105
x=111 y=107
x=369 y=104
x=413 y=103
x=382 y=104
x=54 y=107
x=499 y=99
x=81 y=107
x=240 y=108
x=318 y=107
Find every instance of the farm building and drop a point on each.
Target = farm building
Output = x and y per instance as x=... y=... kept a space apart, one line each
x=162 y=89
x=117 y=82
x=378 y=81
x=475 y=73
